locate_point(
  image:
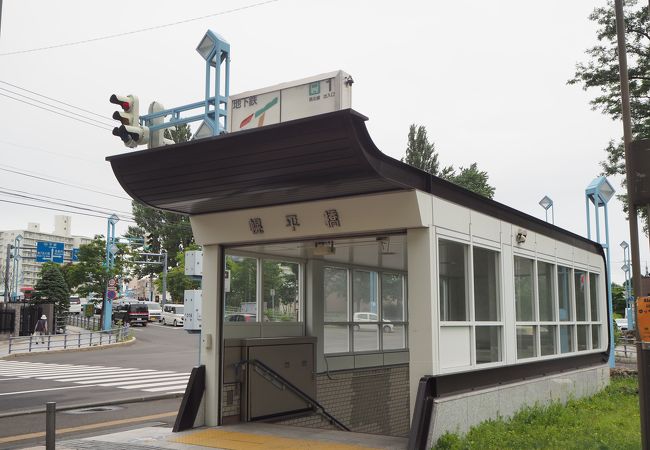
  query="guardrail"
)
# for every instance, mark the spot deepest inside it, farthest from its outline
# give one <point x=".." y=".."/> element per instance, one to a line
<point x="626" y="347"/>
<point x="89" y="323"/>
<point x="28" y="344"/>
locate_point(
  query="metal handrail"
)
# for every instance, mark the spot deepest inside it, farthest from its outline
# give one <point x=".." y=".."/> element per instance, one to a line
<point x="320" y="409"/>
<point x="81" y="321"/>
<point x="66" y="341"/>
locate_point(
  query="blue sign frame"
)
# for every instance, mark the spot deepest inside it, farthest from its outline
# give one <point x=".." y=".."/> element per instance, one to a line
<point x="49" y="252"/>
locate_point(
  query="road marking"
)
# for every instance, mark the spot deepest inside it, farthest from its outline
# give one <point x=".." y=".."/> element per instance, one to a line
<point x="105" y="376"/>
<point x="92" y="426"/>
<point x="44" y="390"/>
<point x="175" y="387"/>
<point x="126" y="383"/>
<point x="120" y="378"/>
<point x="182" y="382"/>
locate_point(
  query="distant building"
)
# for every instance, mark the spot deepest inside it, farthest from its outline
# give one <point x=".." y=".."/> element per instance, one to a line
<point x="28" y="268"/>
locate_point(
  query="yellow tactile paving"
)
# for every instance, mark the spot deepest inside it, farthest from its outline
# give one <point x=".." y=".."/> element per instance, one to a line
<point x="233" y="440"/>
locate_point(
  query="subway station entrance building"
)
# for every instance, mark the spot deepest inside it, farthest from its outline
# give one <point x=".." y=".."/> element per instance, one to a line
<point x="333" y="269"/>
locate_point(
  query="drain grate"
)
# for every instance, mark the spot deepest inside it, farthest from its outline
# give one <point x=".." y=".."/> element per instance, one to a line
<point x="94" y="409"/>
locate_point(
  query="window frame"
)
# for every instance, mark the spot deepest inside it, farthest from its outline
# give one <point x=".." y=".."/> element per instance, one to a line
<point x="350" y="323"/>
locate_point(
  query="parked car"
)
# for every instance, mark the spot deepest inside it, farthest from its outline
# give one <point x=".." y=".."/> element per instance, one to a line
<point x="155" y="311"/>
<point x="621" y="324"/>
<point x="75" y="305"/>
<point x="172" y="314"/>
<point x="131" y="313"/>
<point x="240" y="317"/>
<point x="370" y="317"/>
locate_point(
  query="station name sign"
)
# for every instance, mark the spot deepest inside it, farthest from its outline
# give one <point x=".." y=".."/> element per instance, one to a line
<point x="307" y="97"/>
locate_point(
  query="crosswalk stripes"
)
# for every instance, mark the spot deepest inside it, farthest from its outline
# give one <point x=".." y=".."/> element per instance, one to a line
<point x="147" y="380"/>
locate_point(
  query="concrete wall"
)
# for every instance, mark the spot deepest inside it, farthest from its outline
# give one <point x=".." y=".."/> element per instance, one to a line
<point x="458" y="413"/>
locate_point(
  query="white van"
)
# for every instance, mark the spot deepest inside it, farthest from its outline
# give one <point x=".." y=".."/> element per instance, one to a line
<point x="172" y="314"/>
<point x="155" y="311"/>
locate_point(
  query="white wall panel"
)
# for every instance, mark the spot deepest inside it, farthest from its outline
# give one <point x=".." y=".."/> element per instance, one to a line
<point x="485" y="227"/>
<point x="451" y="216"/>
<point x="455" y="344"/>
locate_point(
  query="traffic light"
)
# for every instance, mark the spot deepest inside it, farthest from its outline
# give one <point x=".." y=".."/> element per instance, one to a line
<point x="131" y="132"/>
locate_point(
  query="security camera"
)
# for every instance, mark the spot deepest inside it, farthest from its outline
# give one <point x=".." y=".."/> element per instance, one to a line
<point x="521" y="236"/>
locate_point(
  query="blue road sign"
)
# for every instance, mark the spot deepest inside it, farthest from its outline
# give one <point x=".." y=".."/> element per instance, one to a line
<point x="49" y="252"/>
<point x="75" y="254"/>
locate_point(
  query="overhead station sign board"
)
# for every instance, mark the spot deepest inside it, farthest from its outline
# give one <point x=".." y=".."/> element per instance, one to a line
<point x="307" y="97"/>
<point x="49" y="252"/>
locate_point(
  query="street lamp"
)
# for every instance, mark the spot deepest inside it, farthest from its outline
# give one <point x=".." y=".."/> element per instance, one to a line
<point x="547" y="203"/>
<point x="598" y="193"/>
<point x="629" y="305"/>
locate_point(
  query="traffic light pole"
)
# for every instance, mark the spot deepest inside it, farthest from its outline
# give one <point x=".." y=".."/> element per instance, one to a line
<point x="6" y="276"/>
<point x="643" y="358"/>
<point x="161" y="261"/>
<point x="107" y="306"/>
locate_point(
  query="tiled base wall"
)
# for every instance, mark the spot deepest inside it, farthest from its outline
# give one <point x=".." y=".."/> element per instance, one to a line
<point x="231" y="402"/>
<point x="458" y="413"/>
<point x="374" y="400"/>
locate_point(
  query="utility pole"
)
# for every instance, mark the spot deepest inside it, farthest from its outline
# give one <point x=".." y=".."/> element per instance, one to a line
<point x="643" y="359"/>
<point x="6" y="276"/>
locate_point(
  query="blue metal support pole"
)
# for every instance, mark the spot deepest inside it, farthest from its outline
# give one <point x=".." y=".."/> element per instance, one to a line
<point x="107" y="308"/>
<point x="588" y="218"/>
<point x="609" y="291"/>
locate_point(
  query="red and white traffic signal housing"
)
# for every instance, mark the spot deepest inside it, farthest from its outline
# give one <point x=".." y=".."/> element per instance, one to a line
<point x="131" y="132"/>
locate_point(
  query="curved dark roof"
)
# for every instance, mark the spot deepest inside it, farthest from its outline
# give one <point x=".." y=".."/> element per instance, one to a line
<point x="325" y="156"/>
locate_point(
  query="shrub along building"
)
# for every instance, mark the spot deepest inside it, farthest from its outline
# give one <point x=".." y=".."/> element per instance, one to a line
<point x="352" y="276"/>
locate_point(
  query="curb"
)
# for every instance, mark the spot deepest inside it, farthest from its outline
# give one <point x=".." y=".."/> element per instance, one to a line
<point x="92" y="405"/>
<point x="130" y="341"/>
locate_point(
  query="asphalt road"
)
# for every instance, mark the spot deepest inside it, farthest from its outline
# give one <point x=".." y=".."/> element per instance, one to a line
<point x="157" y="364"/>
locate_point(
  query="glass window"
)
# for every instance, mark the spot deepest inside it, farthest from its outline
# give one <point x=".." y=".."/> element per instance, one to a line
<point x="545" y="286"/>
<point x="566" y="338"/>
<point x="392" y="297"/>
<point x="593" y="295"/>
<point x="526" y="341"/>
<point x="242" y="295"/>
<point x="580" y="289"/>
<point x="366" y="336"/>
<point x="280" y="292"/>
<point x="524" y="289"/>
<point x="547" y="340"/>
<point x="595" y="336"/>
<point x="335" y="282"/>
<point x="583" y="333"/>
<point x="336" y="339"/>
<point x="394" y="336"/>
<point x="486" y="285"/>
<point x="564" y="292"/>
<point x="488" y="344"/>
<point x="453" y="281"/>
<point x="364" y="294"/>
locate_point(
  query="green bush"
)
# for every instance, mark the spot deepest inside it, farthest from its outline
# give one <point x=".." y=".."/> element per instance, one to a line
<point x="607" y="420"/>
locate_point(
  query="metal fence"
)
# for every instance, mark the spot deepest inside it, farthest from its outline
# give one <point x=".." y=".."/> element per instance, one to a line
<point x="28" y="344"/>
<point x="626" y="347"/>
<point x="89" y="323"/>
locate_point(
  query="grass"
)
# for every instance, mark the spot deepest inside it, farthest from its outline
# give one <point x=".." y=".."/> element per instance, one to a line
<point x="608" y="420"/>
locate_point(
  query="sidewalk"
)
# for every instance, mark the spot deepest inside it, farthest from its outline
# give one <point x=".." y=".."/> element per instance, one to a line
<point x="247" y="436"/>
<point x="55" y="343"/>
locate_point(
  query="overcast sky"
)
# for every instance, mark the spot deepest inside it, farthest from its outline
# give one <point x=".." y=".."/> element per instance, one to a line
<point x="487" y="79"/>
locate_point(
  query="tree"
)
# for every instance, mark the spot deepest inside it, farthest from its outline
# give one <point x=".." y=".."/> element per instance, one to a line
<point x="90" y="275"/>
<point x="422" y="154"/>
<point x="601" y="73"/>
<point x="51" y="287"/>
<point x="169" y="231"/>
<point x="178" y="282"/>
<point x="618" y="299"/>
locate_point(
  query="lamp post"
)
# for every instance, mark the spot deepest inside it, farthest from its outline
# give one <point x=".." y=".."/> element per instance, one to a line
<point x="626" y="268"/>
<point x="547" y="204"/>
<point x="598" y="193"/>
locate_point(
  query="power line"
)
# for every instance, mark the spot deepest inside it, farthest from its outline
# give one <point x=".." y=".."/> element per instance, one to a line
<point x="62" y="210"/>
<point x="53" y="99"/>
<point x="66" y="200"/>
<point x="51" y="180"/>
<point x="69" y="205"/>
<point x="53" y="111"/>
<point x="142" y="30"/>
<point x="65" y="155"/>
